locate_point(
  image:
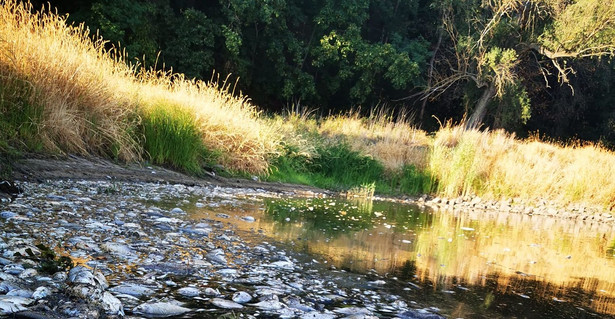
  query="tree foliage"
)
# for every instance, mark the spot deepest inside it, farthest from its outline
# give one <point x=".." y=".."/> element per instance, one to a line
<point x="519" y="64"/>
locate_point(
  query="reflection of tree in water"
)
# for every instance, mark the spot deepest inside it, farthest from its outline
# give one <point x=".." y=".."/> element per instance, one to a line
<point x="519" y="297"/>
<point x="610" y="251"/>
<point x="407" y="271"/>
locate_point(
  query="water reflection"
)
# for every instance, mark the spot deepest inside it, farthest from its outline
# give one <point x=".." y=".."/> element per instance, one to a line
<point x="517" y="265"/>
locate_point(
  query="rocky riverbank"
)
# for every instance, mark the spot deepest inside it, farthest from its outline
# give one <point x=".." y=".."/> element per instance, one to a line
<point x="137" y="253"/>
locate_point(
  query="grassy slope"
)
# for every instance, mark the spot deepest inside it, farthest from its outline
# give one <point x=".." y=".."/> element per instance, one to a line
<point x="60" y="91"/>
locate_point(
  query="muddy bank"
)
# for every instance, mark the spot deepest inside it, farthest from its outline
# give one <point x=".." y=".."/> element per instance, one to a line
<point x="41" y="168"/>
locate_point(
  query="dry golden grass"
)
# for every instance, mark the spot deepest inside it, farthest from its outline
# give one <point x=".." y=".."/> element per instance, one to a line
<point x="496" y="165"/>
<point x="393" y="143"/>
<point x="91" y="101"/>
<point x="70" y="77"/>
<point x="229" y="124"/>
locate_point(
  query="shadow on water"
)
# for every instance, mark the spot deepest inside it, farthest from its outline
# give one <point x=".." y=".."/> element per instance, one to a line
<point x="476" y="266"/>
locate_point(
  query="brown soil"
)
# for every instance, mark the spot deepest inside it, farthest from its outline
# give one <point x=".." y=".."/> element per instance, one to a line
<point x="41" y="168"/>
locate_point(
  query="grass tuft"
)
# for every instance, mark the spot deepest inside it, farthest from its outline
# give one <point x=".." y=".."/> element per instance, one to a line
<point x="172" y="137"/>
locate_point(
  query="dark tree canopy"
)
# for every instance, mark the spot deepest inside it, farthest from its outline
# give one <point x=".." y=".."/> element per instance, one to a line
<point x="522" y="65"/>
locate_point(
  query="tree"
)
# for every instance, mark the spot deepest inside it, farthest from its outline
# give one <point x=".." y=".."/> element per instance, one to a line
<point x="493" y="42"/>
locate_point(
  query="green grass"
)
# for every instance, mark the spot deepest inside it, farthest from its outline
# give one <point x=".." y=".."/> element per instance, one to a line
<point x="173" y="138"/>
<point x="19" y="120"/>
<point x="335" y="166"/>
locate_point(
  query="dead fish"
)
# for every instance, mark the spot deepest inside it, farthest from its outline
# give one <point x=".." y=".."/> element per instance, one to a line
<point x="241" y="297"/>
<point x="225" y="304"/>
<point x="132" y="290"/>
<point x="269" y="305"/>
<point x="7" y="308"/>
<point x="160" y="309"/>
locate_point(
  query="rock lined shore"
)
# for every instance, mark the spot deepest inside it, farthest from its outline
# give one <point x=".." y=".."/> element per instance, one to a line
<point x="73" y="167"/>
<point x="135" y="256"/>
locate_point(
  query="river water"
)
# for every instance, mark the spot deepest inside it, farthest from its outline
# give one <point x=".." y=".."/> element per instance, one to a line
<point x="486" y="265"/>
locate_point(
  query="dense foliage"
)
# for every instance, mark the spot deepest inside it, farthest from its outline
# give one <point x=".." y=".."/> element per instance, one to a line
<point x="538" y="65"/>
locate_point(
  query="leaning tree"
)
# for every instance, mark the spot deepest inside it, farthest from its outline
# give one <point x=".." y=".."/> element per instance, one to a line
<point x="493" y="43"/>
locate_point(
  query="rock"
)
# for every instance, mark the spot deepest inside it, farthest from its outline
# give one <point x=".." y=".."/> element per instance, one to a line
<point x="28" y="273"/>
<point x="418" y="314"/>
<point x="318" y="315"/>
<point x="160" y="309"/>
<point x="241" y="297"/>
<point x="211" y="292"/>
<point x="7" y="308"/>
<point x="16" y="300"/>
<point x="217" y="256"/>
<point x="282" y="264"/>
<point x="248" y="219"/>
<point x="177" y="210"/>
<point x="14" y="269"/>
<point x="189" y="292"/>
<point x="352" y="311"/>
<point x="119" y="250"/>
<point x="225" y="304"/>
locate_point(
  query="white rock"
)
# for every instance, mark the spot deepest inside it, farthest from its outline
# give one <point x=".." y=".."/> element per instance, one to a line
<point x="269" y="305"/>
<point x="211" y="292"/>
<point x="7" y="308"/>
<point x="26" y="293"/>
<point x="132" y="290"/>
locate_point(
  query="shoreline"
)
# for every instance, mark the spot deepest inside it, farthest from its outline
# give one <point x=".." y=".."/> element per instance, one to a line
<point x="42" y="167"/>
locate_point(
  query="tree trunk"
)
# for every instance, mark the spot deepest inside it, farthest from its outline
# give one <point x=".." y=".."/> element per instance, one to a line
<point x="476" y="119"/>
<point x="430" y="74"/>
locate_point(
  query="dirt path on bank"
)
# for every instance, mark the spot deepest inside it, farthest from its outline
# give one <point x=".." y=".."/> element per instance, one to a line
<point x="41" y="168"/>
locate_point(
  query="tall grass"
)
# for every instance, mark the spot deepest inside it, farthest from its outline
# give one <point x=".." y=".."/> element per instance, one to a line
<point x="61" y="91"/>
<point x="69" y="77"/>
<point x="228" y="123"/>
<point x="334" y="153"/>
<point x="494" y="164"/>
<point x="394" y="142"/>
<point x="88" y="101"/>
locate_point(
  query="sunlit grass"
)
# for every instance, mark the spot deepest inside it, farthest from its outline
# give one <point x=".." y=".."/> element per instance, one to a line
<point x="495" y="164"/>
<point x="61" y="91"/>
<point x="91" y="102"/>
<point x="393" y="141"/>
